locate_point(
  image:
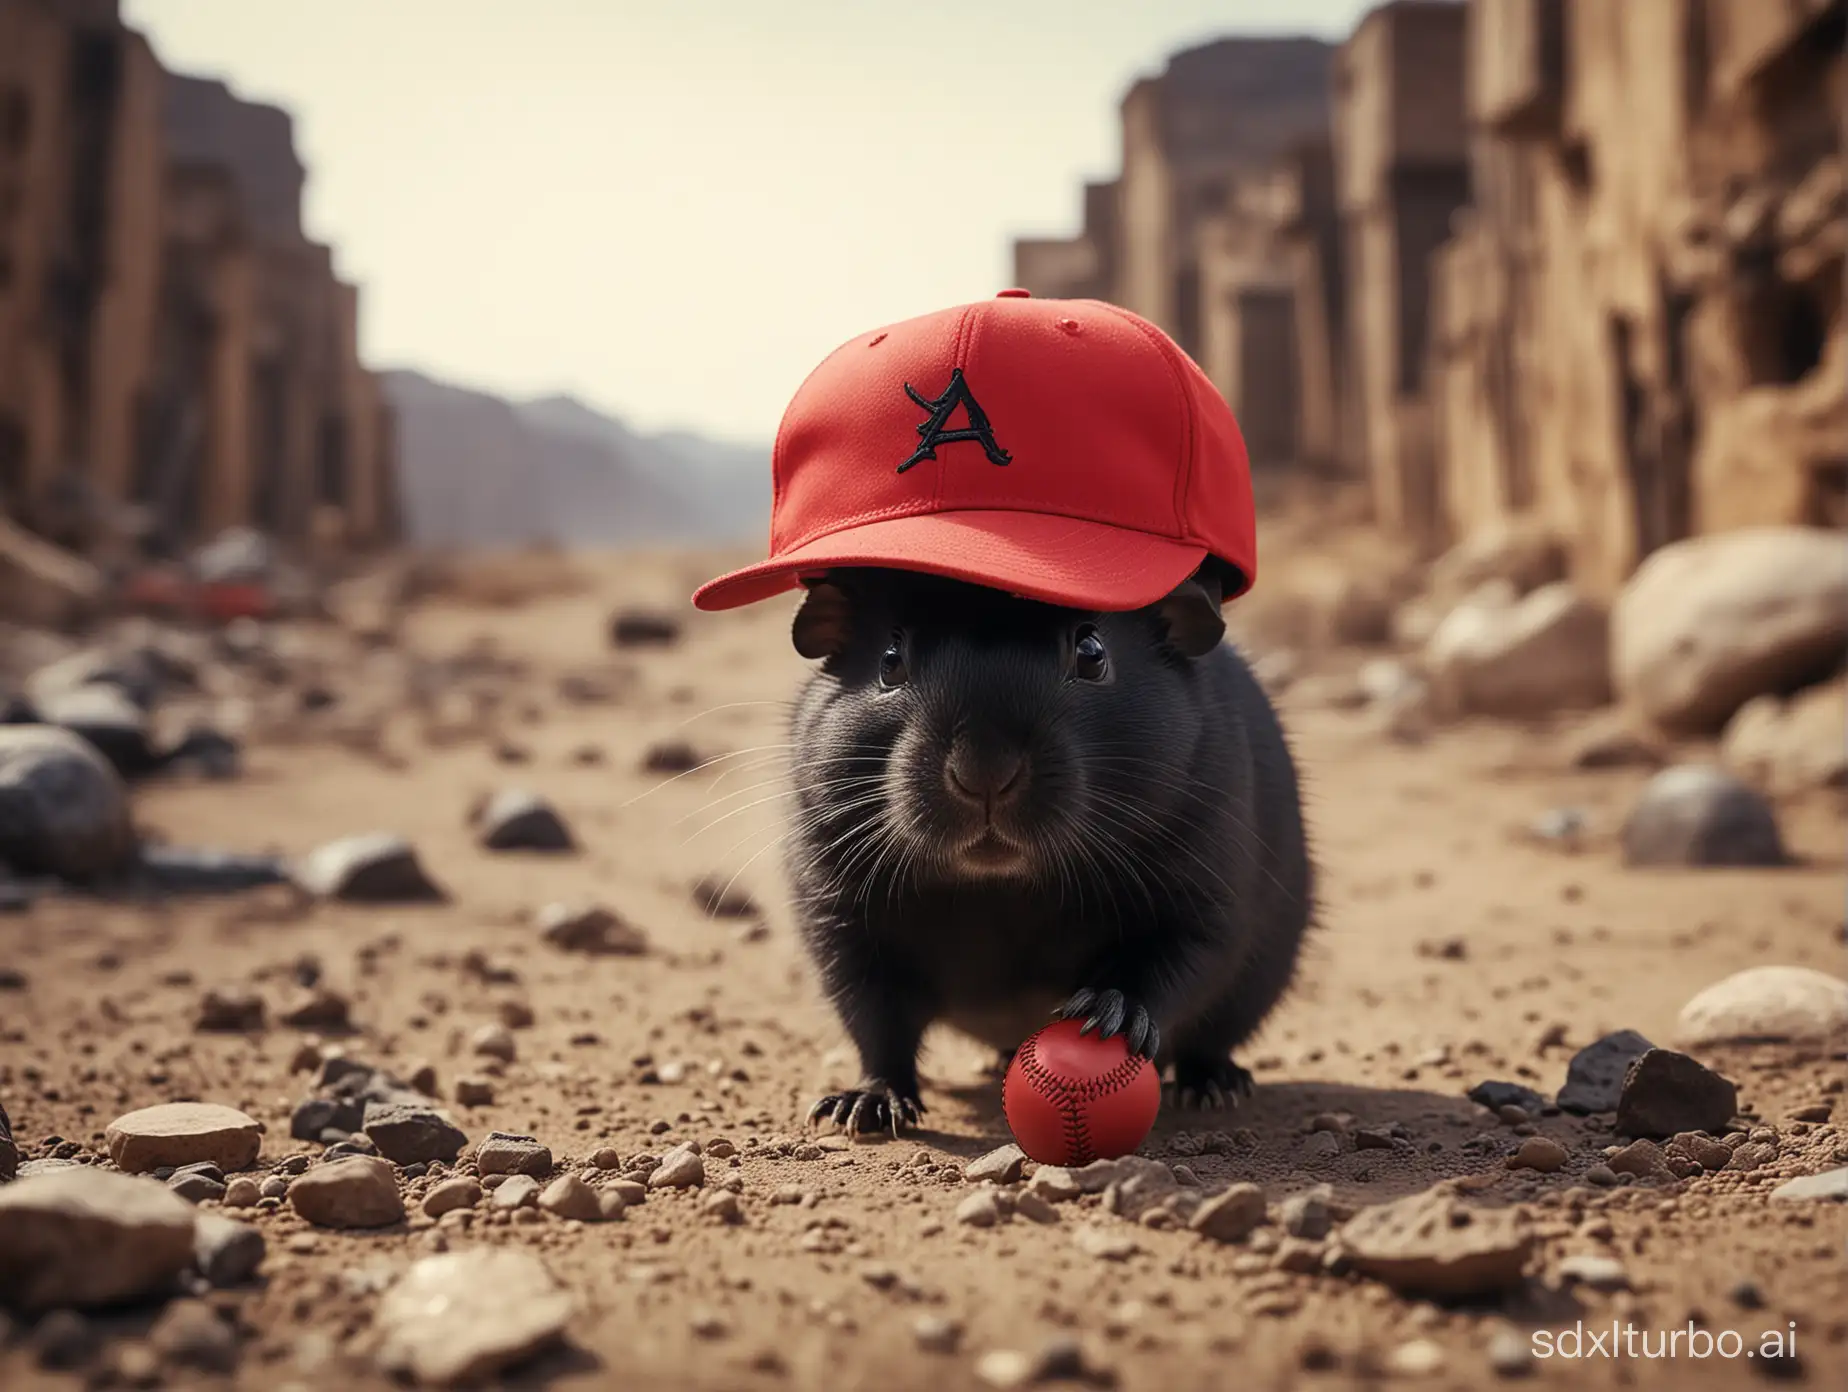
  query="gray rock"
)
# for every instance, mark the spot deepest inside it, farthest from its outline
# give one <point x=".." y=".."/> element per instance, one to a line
<point x="1771" y="1004"/>
<point x="63" y="810"/>
<point x="111" y="723"/>
<point x="1496" y="1095"/>
<point x="87" y="1237"/>
<point x="999" y="1166"/>
<point x="196" y="1188"/>
<point x="358" y="1191"/>
<point x="1705" y="624"/>
<point x="227" y="1252"/>
<point x="680" y="1168"/>
<point x="1701" y="815"/>
<point x="979" y="1210"/>
<point x="408" y="1134"/>
<point x="1594" y="1078"/>
<point x="516" y="820"/>
<point x="1665" y="1092"/>
<point x="315" y="1116"/>
<point x="375" y="868"/>
<point x="505" y="1153"/>
<point x="1308" y="1215"/>
<point x="465" y="1317"/>
<point x="1231" y="1215"/>
<point x="1830" y="1184"/>
<point x="187" y="870"/>
<point x="1432" y="1244"/>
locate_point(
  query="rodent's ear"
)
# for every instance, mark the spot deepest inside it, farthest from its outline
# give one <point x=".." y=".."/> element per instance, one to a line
<point x="823" y="623"/>
<point x="1191" y="613"/>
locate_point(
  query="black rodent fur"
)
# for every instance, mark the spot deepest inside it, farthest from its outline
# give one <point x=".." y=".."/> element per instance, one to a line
<point x="995" y="825"/>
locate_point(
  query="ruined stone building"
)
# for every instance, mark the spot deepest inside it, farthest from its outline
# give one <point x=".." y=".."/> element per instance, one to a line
<point x="1401" y="172"/>
<point x="1639" y="324"/>
<point x="171" y="345"/>
<point x="1186" y="236"/>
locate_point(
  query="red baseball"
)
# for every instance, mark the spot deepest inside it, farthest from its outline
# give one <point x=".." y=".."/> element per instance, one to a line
<point x="1073" y="1098"/>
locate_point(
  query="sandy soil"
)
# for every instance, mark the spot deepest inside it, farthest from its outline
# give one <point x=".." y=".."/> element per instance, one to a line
<point x="1419" y="846"/>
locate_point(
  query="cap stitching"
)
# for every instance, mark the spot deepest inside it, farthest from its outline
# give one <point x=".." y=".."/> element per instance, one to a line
<point x="959" y="346"/>
<point x="912" y="510"/>
<point x="1184" y="475"/>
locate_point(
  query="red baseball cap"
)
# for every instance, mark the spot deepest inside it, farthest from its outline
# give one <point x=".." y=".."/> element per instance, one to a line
<point x="1062" y="450"/>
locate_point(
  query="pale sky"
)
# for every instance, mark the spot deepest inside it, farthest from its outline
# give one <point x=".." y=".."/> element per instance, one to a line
<point x="674" y="208"/>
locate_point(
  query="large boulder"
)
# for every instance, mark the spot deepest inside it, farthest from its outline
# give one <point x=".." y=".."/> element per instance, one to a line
<point x="1546" y="652"/>
<point x="1700" y="815"/>
<point x="1524" y="553"/>
<point x="1790" y="745"/>
<point x="1706" y="624"/>
<point x="63" y="810"/>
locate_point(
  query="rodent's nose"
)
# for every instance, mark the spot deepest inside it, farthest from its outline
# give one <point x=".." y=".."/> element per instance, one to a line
<point x="987" y="780"/>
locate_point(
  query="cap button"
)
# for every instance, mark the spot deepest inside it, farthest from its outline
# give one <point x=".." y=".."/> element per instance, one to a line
<point x="1015" y="294"/>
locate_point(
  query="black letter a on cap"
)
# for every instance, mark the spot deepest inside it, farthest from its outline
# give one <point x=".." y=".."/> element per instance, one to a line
<point x="933" y="434"/>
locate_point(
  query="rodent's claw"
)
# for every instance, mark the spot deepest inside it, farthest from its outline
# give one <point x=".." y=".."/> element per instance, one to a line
<point x="873" y="1106"/>
<point x="1110" y="1013"/>
<point x="1210" y="1084"/>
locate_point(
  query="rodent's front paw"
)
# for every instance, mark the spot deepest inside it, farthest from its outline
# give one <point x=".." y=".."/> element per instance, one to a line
<point x="1209" y="1084"/>
<point x="1111" y="1013"/>
<point x="873" y="1106"/>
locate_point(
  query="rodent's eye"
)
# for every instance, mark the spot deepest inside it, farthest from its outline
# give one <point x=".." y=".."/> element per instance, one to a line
<point x="892" y="669"/>
<point x="1090" y="659"/>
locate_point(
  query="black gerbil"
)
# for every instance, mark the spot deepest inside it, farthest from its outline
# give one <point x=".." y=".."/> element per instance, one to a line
<point x="1008" y="811"/>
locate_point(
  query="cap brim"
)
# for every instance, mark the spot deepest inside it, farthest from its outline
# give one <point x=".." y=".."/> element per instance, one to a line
<point x="1057" y="560"/>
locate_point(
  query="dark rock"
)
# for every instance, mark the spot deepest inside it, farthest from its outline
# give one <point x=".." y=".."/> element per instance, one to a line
<point x="105" y="717"/>
<point x="322" y="1010"/>
<point x="184" y="870"/>
<point x="196" y="1188"/>
<point x="315" y="1116"/>
<point x="359" y="1143"/>
<point x="505" y="1153"/>
<point x="64" y="1340"/>
<point x="1496" y="1095"/>
<point x="377" y="868"/>
<point x="671" y="756"/>
<point x="722" y="899"/>
<point x="230" y="1012"/>
<point x="9" y="1151"/>
<point x="1665" y="1092"/>
<point x="227" y="1252"/>
<point x="409" y="1135"/>
<point x="589" y="928"/>
<point x="516" y="820"/>
<point x="63" y="810"/>
<point x="140" y="671"/>
<point x="206" y="752"/>
<point x="1594" y="1078"/>
<point x="643" y="628"/>
<point x="1701" y="815"/>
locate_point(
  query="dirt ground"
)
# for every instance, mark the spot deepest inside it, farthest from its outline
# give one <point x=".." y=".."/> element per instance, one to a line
<point x="1452" y="949"/>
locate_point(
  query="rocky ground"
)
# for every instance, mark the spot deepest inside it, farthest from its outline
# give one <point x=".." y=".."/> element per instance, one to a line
<point x="511" y="1088"/>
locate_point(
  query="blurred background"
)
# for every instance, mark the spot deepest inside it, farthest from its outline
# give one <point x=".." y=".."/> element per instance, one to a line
<point x="378" y="379"/>
<point x="467" y="275"/>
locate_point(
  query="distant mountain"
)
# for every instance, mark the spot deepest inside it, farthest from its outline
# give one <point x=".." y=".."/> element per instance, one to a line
<point x="478" y="470"/>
